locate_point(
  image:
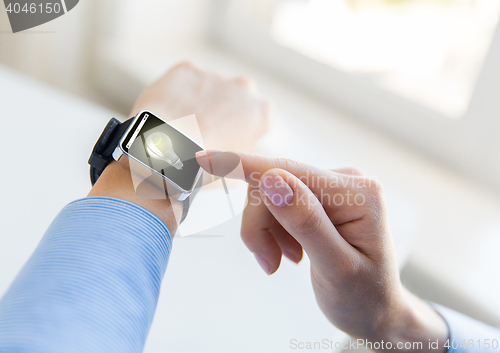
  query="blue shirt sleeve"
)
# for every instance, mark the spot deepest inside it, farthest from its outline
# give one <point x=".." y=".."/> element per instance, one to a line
<point x="468" y="335"/>
<point x="91" y="285"/>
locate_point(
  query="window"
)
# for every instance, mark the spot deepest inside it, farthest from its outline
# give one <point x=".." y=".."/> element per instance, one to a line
<point x="424" y="71"/>
<point x="427" y="51"/>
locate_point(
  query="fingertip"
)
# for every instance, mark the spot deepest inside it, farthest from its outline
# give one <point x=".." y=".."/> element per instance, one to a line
<point x="220" y="163"/>
<point x="263" y="263"/>
<point x="187" y="65"/>
<point x="294" y="257"/>
<point x="276" y="189"/>
<point x="265" y="249"/>
<point x="203" y="160"/>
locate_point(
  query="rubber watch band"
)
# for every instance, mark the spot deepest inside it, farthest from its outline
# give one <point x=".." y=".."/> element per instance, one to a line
<point x="102" y="153"/>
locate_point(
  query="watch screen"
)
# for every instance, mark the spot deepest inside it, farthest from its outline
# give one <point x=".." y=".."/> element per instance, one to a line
<point x="163" y="148"/>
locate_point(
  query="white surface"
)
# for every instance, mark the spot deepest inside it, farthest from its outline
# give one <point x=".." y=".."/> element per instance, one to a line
<point x="470" y="143"/>
<point x="46" y="137"/>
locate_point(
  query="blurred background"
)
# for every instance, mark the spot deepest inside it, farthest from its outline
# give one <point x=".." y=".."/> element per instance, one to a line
<point x="405" y="90"/>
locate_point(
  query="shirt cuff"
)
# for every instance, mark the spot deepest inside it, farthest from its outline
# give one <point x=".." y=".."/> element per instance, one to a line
<point x="92" y="284"/>
<point x="468" y="335"/>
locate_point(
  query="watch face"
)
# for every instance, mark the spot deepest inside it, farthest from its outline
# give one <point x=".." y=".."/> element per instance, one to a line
<point x="164" y="149"/>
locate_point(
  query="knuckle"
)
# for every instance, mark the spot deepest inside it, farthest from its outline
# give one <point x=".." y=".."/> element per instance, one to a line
<point x="348" y="171"/>
<point x="217" y="76"/>
<point x="245" y="82"/>
<point x="372" y="187"/>
<point x="266" y="108"/>
<point x="265" y="126"/>
<point x="188" y="65"/>
<point x="352" y="270"/>
<point x="253" y="198"/>
<point x="248" y="238"/>
<point x="264" y="118"/>
<point x="311" y="223"/>
<point x="354" y="171"/>
<point x="287" y="164"/>
<point x="375" y="198"/>
<point x="246" y="234"/>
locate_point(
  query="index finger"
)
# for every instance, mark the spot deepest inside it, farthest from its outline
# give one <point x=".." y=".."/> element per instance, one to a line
<point x="224" y="164"/>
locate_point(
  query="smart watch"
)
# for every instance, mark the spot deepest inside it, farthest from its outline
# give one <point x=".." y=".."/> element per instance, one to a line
<point x="158" y="153"/>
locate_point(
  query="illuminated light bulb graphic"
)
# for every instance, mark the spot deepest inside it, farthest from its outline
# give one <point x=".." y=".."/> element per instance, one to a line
<point x="159" y="146"/>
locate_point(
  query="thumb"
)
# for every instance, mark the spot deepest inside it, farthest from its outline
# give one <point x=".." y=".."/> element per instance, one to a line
<point x="301" y="214"/>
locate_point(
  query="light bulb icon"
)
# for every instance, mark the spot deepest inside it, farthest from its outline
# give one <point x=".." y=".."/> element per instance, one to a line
<point x="159" y="146"/>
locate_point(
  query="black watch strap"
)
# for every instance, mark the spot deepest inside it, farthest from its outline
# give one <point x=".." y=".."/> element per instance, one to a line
<point x="102" y="154"/>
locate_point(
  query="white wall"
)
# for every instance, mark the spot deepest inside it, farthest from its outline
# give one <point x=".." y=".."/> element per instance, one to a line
<point x="55" y="52"/>
<point x="62" y="51"/>
<point x="168" y="23"/>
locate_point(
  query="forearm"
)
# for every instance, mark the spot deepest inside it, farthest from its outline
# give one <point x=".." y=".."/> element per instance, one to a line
<point x="92" y="284"/>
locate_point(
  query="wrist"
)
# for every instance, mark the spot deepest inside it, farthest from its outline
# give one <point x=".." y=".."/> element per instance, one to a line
<point x="412" y="326"/>
<point x="116" y="181"/>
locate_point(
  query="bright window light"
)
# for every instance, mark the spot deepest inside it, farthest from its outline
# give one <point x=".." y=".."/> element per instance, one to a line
<point x="429" y="51"/>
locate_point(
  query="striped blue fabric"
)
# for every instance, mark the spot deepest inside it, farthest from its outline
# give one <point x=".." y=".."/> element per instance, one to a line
<point x="92" y="284"/>
<point x="468" y="335"/>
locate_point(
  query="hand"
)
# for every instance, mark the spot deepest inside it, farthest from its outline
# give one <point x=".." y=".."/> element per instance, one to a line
<point x="230" y="113"/>
<point x="339" y="218"/>
<point x="223" y="109"/>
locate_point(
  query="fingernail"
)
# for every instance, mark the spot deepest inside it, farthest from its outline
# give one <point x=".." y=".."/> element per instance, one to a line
<point x="263" y="264"/>
<point x="208" y="153"/>
<point x="207" y="156"/>
<point x="292" y="257"/>
<point x="220" y="163"/>
<point x="276" y="189"/>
